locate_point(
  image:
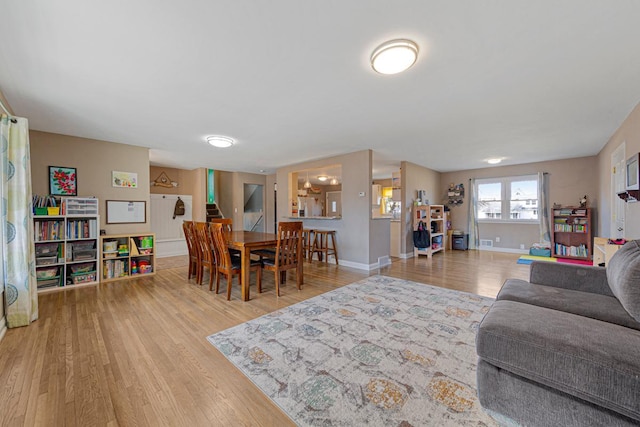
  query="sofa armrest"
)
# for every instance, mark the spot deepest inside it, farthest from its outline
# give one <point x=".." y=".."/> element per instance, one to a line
<point x="570" y="276"/>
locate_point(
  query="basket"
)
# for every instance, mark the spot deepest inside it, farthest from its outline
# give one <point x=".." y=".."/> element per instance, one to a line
<point x="87" y="277"/>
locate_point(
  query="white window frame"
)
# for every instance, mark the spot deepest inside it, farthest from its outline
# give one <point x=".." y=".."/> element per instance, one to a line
<point x="505" y="198"/>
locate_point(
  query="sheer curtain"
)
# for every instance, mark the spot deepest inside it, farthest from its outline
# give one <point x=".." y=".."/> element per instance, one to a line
<point x="472" y="226"/>
<point x="543" y="207"/>
<point x="18" y="252"/>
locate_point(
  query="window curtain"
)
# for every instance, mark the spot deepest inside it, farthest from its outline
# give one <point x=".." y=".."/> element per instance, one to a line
<point x="543" y="211"/>
<point x="18" y="251"/>
<point x="472" y="226"/>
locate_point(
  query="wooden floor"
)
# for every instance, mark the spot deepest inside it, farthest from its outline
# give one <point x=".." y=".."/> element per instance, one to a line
<point x="135" y="352"/>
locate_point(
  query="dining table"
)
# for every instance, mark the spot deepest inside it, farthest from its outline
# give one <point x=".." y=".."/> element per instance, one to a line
<point x="245" y="242"/>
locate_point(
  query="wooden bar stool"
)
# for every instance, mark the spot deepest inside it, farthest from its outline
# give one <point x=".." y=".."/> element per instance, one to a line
<point x="321" y="244"/>
<point x="307" y="243"/>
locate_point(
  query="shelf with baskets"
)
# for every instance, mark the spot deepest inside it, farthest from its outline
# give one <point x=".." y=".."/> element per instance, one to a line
<point x="126" y="256"/>
<point x="435" y="219"/>
<point x="66" y="247"/>
<point x="572" y="233"/>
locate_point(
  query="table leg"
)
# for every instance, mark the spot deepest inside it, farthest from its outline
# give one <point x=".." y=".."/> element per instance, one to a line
<point x="245" y="273"/>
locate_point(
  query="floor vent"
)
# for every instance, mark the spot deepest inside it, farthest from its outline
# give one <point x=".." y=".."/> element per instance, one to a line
<point x="486" y="243"/>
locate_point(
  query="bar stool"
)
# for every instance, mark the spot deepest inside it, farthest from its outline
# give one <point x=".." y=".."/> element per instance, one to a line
<point x="321" y="244"/>
<point x="307" y="243"/>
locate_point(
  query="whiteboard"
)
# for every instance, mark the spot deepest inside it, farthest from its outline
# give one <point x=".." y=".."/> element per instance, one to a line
<point x="126" y="211"/>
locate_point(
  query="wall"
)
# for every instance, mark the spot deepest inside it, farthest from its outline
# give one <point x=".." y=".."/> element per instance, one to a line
<point x="231" y="194"/>
<point x="629" y="133"/>
<point x="569" y="179"/>
<point x="192" y="182"/>
<point x="415" y="178"/>
<point x="94" y="160"/>
<point x="352" y="231"/>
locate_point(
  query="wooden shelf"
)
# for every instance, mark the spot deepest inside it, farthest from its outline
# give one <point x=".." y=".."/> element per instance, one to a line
<point x="115" y="268"/>
<point x="572" y="233"/>
<point x="433" y="216"/>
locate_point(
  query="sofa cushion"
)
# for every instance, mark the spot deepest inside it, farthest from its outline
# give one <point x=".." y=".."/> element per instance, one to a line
<point x="592" y="360"/>
<point x="595" y="306"/>
<point x="623" y="275"/>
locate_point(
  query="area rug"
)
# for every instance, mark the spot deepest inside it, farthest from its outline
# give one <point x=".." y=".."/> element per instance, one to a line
<point x="379" y="352"/>
<point x="528" y="259"/>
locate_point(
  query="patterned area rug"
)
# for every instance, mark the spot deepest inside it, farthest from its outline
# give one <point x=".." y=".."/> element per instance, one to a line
<point x="379" y="352"/>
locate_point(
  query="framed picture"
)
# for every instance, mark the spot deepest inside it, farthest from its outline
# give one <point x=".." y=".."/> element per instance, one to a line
<point x="124" y="179"/>
<point x="63" y="181"/>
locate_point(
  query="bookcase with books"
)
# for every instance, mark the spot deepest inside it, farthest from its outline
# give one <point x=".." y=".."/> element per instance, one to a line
<point x="66" y="245"/>
<point x="572" y="233"/>
<point x="126" y="256"/>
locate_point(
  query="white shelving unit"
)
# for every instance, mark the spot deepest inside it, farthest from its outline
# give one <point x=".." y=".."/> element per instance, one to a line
<point x="434" y="217"/>
<point x="67" y="249"/>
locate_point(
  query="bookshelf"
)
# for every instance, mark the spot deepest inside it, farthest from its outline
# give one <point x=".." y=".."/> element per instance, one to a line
<point x="434" y="217"/>
<point x="572" y="233"/>
<point x="127" y="256"/>
<point x="66" y="246"/>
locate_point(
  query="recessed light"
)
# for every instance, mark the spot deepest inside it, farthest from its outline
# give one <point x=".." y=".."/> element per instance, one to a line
<point x="220" y="141"/>
<point x="323" y="177"/>
<point x="394" y="56"/>
<point x="494" y="161"/>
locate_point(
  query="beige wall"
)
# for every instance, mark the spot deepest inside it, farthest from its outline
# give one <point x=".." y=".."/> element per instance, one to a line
<point x="231" y="195"/>
<point x="416" y="178"/>
<point x="94" y="160"/>
<point x="190" y="182"/>
<point x="353" y="229"/>
<point x="629" y="133"/>
<point x="569" y="180"/>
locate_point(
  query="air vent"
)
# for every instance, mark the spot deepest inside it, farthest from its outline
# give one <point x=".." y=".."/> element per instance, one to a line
<point x="486" y="243"/>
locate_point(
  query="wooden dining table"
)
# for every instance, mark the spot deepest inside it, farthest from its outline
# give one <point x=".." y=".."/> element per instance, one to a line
<point x="245" y="242"/>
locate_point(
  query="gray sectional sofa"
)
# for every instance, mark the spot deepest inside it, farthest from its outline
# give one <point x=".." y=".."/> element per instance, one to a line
<point x="563" y="349"/>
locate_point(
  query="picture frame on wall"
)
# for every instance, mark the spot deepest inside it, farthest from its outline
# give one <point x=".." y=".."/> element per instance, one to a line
<point x="63" y="181"/>
<point x="124" y="179"/>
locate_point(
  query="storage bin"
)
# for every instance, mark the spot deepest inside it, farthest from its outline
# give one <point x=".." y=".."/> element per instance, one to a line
<point x="144" y="269"/>
<point x="84" y="254"/>
<point x="41" y="211"/>
<point x="85" y="277"/>
<point x="46" y="249"/>
<point x="46" y="273"/>
<point x="48" y="283"/>
<point x="46" y="260"/>
<point x="540" y="252"/>
<point x="110" y="245"/>
<point x="85" y="267"/>
<point x="53" y="210"/>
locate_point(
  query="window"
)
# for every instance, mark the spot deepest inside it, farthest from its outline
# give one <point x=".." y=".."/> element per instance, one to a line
<point x="508" y="199"/>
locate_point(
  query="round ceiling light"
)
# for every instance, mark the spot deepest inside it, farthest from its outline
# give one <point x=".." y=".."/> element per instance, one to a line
<point x="322" y="178"/>
<point x="494" y="161"/>
<point x="220" y="141"/>
<point x="394" y="56"/>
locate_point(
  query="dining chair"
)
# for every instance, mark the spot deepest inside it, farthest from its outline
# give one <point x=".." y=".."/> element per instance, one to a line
<point x="207" y="256"/>
<point x="194" y="255"/>
<point x="288" y="253"/>
<point x="227" y="225"/>
<point x="228" y="265"/>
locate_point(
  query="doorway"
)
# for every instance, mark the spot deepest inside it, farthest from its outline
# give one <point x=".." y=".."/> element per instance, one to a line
<point x="618" y="169"/>
<point x="334" y="203"/>
<point x="253" y="219"/>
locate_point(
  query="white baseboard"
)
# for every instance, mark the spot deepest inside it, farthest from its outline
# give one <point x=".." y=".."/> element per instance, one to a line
<point x="507" y="250"/>
<point x="358" y="265"/>
<point x="407" y="255"/>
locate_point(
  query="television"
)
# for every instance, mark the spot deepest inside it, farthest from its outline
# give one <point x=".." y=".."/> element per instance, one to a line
<point x="632" y="179"/>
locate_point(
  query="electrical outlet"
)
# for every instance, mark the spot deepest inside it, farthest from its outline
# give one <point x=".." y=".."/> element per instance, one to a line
<point x="521" y="245"/>
<point x="497" y="239"/>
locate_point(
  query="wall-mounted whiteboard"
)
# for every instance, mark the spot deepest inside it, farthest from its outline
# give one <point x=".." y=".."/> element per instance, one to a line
<point x="126" y="211"/>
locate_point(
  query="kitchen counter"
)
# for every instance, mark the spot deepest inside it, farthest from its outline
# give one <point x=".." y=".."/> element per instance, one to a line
<point x="315" y="217"/>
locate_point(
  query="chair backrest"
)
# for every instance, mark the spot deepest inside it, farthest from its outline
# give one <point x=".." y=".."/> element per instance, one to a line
<point x="189" y="235"/>
<point x="204" y="241"/>
<point x="226" y="222"/>
<point x="223" y="257"/>
<point x="289" y="249"/>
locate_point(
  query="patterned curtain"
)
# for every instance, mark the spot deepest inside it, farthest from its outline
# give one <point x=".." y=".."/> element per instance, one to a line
<point x="18" y="251"/>
<point x="474" y="236"/>
<point x="543" y="210"/>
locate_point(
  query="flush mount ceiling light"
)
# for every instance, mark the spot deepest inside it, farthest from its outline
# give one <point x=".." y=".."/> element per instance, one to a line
<point x="394" y="56"/>
<point x="494" y="161"/>
<point x="220" y="141"/>
<point x="323" y="178"/>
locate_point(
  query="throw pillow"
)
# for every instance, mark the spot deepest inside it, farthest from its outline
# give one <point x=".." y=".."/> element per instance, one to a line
<point x="623" y="275"/>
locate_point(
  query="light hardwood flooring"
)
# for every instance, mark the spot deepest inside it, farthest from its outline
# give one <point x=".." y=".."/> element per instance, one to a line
<point x="135" y="352"/>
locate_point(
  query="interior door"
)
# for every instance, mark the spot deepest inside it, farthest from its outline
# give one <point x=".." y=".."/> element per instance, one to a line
<point x="334" y="203"/>
<point x="618" y="166"/>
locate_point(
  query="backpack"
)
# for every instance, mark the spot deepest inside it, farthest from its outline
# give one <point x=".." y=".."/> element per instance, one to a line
<point x="421" y="237"/>
<point x="179" y="209"/>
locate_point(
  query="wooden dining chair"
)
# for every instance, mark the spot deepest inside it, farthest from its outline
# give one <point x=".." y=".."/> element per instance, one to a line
<point x="192" y="247"/>
<point x="206" y="252"/>
<point x="227" y="225"/>
<point x="228" y="265"/>
<point x="288" y="253"/>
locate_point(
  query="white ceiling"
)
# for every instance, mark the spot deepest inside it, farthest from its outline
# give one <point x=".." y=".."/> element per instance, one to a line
<point x="519" y="79"/>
